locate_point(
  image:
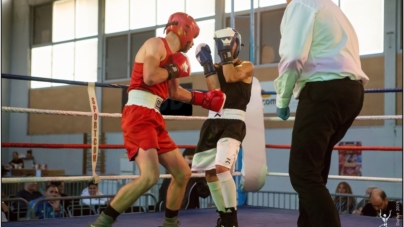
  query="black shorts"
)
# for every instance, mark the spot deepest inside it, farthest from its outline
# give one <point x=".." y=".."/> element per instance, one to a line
<point x="215" y="129"/>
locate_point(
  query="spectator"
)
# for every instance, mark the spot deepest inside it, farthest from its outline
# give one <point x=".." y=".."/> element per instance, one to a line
<point x="9" y="215"/>
<point x="92" y="190"/>
<point x="380" y="205"/>
<point x="47" y="209"/>
<point x="196" y="187"/>
<point x="29" y="192"/>
<point x="29" y="156"/>
<point x="61" y="187"/>
<point x="364" y="201"/>
<point x="344" y="204"/>
<point x="3" y="217"/>
<point x="17" y="161"/>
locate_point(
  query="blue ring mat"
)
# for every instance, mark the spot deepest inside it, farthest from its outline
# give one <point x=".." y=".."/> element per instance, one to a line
<point x="248" y="216"/>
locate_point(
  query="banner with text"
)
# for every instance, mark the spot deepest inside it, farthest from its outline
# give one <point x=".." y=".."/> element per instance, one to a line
<point x="350" y="161"/>
<point x="269" y="101"/>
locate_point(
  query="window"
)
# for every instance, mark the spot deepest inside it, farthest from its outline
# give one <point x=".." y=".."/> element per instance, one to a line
<point x="117" y="63"/>
<point x="270" y="36"/>
<point x="207" y="30"/>
<point x="63" y="62"/>
<point x="264" y="3"/>
<point x="86" y="18"/>
<point x="117" y="16"/>
<point x="116" y="59"/>
<point x="242" y="25"/>
<point x="136" y="41"/>
<point x="368" y="24"/>
<point x="240" y="5"/>
<point x="63" y="20"/>
<point x="198" y="9"/>
<point x="85" y="64"/>
<point x="142" y="15"/>
<point x="60" y="24"/>
<point x="41" y="65"/>
<point x="166" y="8"/>
<point x="42" y="24"/>
<point x="122" y="15"/>
<point x="400" y="29"/>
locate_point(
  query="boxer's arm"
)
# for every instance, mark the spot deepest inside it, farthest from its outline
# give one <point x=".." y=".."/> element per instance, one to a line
<point x="154" y="53"/>
<point x="175" y="92"/>
<point x="211" y="100"/>
<point x="203" y="55"/>
<point x="241" y="72"/>
<point x="213" y="82"/>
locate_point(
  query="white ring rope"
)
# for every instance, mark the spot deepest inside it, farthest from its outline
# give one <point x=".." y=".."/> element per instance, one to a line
<point x="118" y="115"/>
<point x="381" y="179"/>
<point x="88" y="178"/>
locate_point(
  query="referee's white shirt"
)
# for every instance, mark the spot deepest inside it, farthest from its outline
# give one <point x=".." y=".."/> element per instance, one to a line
<point x="318" y="44"/>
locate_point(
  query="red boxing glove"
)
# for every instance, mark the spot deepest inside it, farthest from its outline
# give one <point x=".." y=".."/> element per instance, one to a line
<point x="178" y="66"/>
<point x="211" y="100"/>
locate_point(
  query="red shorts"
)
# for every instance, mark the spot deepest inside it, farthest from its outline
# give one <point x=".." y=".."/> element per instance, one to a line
<point x="144" y="128"/>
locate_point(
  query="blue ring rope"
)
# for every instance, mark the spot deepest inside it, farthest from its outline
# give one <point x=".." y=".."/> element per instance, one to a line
<point x="97" y="84"/>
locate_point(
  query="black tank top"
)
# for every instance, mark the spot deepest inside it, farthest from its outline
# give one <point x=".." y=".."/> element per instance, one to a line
<point x="237" y="94"/>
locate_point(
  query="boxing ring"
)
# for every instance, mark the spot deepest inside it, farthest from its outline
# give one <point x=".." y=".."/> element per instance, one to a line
<point x="249" y="216"/>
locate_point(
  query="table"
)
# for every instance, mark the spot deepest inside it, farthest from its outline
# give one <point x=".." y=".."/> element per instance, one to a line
<point x="41" y="172"/>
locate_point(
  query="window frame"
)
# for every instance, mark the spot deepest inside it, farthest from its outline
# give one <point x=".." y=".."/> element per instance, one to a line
<point x="399" y="27"/>
<point x="52" y="43"/>
<point x="258" y="41"/>
<point x="129" y="34"/>
<point x="257" y="23"/>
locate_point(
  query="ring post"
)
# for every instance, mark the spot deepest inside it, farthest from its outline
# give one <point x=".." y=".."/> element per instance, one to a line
<point x="241" y="196"/>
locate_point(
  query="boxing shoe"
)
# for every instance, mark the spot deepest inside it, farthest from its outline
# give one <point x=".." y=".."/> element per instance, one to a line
<point x="221" y="220"/>
<point x="171" y="222"/>
<point x="228" y="218"/>
<point x="102" y="221"/>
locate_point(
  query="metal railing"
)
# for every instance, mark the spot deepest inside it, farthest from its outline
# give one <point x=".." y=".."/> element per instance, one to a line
<point x="17" y="208"/>
<point x="75" y="188"/>
<point x="73" y="206"/>
<point x="290" y="200"/>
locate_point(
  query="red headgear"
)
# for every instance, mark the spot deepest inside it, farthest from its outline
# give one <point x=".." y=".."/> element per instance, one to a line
<point x="185" y="27"/>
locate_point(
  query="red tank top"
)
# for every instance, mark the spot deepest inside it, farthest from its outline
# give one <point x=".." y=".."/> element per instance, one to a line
<point x="136" y="81"/>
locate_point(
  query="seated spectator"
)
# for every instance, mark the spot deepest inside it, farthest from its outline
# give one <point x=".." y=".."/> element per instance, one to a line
<point x="28" y="193"/>
<point x="9" y="215"/>
<point x="3" y="217"/>
<point x="344" y="204"/>
<point x="364" y="201"/>
<point x="380" y="205"/>
<point x="92" y="190"/>
<point x="47" y="209"/>
<point x="16" y="162"/>
<point x="196" y="187"/>
<point x="61" y="187"/>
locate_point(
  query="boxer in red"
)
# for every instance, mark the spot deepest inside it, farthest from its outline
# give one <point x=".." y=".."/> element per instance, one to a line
<point x="159" y="64"/>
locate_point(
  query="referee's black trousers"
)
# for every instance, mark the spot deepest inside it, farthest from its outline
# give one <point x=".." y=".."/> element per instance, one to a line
<point x="325" y="112"/>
